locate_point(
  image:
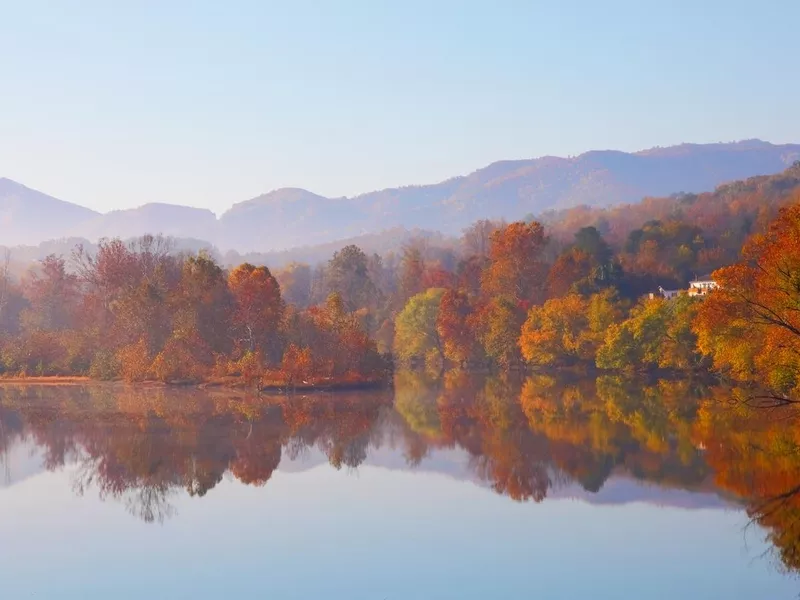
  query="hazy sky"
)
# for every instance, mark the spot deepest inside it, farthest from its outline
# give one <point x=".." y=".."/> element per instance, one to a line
<point x="114" y="104"/>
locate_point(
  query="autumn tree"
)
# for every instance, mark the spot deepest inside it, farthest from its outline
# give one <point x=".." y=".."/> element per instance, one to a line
<point x="516" y="267"/>
<point x="416" y="332"/>
<point x="295" y="282"/>
<point x="513" y="280"/>
<point x="567" y="330"/>
<point x="134" y="360"/>
<point x="412" y="271"/>
<point x="469" y="273"/>
<point x="297" y="365"/>
<point x="258" y="309"/>
<point x="348" y="275"/>
<point x="105" y="273"/>
<point x="203" y="304"/>
<point x="337" y="342"/>
<point x="498" y="324"/>
<point x="455" y="325"/>
<point x="319" y="284"/>
<point x="586" y="266"/>
<point x="436" y="276"/>
<point x="127" y="290"/>
<point x="476" y="238"/>
<point x="382" y="273"/>
<point x="143" y="306"/>
<point x="657" y="334"/>
<point x="669" y="248"/>
<point x="591" y="242"/>
<point x="52" y="293"/>
<point x="750" y="325"/>
<point x="570" y="268"/>
<point x="12" y="300"/>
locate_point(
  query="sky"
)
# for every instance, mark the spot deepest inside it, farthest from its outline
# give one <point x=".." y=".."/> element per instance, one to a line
<point x="116" y="104"/>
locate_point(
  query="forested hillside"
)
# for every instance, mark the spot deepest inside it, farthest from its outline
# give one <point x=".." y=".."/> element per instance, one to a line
<point x="730" y="207"/>
<point x="506" y="295"/>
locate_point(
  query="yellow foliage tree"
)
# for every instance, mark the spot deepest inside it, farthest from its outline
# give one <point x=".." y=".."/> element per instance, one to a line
<point x="134" y="361"/>
<point x="567" y="330"/>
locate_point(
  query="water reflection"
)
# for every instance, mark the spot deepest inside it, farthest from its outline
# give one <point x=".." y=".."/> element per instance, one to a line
<point x="524" y="439"/>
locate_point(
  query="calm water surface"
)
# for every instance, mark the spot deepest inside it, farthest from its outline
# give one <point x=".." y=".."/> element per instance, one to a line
<point x="462" y="488"/>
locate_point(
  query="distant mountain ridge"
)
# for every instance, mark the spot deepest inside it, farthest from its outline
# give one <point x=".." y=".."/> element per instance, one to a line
<point x="28" y="216"/>
<point x="511" y="189"/>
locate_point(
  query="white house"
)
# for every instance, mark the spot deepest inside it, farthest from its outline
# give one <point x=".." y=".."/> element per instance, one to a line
<point x="701" y="286"/>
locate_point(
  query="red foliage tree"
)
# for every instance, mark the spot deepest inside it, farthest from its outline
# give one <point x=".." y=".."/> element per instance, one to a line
<point x="258" y="309"/>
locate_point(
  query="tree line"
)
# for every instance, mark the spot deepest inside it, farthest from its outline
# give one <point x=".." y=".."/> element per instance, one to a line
<point x="531" y="301"/>
<point x="137" y="311"/>
<point x="506" y="295"/>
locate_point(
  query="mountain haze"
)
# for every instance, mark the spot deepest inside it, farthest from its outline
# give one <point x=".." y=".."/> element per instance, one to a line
<point x="168" y="219"/>
<point x="30" y="217"/>
<point x="292" y="217"/>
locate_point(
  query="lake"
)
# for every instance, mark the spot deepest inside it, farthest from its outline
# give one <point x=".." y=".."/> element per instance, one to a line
<point x="458" y="488"/>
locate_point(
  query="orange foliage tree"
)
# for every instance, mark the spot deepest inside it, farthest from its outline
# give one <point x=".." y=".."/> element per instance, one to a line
<point x="297" y="365"/>
<point x="750" y="326"/>
<point x="516" y="266"/>
<point x="134" y="361"/>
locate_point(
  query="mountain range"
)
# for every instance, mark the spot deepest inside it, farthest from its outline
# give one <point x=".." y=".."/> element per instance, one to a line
<point x="292" y="217"/>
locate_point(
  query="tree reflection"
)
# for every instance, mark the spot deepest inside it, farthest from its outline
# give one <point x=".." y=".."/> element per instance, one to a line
<point x="142" y="447"/>
<point x="523" y="439"/>
<point x="756" y="455"/>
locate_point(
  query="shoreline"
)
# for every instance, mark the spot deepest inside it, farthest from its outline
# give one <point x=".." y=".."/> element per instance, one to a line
<point x="49" y="380"/>
<point x="233" y="384"/>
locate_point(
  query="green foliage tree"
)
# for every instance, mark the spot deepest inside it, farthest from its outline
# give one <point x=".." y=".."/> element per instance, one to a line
<point x="589" y="240"/>
<point x="657" y="334"/>
<point x="416" y="333"/>
<point x="348" y="275"/>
